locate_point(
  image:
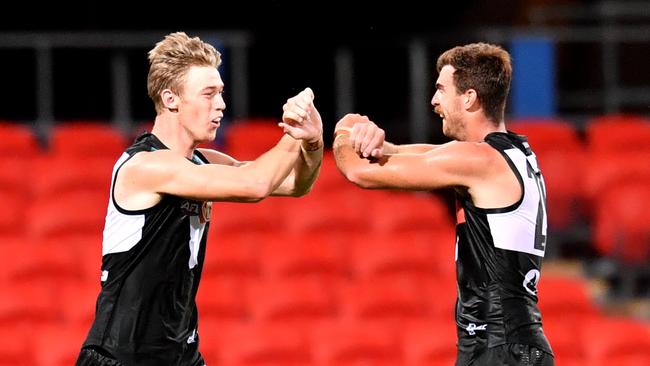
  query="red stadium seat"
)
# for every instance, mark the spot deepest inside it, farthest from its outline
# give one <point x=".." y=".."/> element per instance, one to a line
<point x="430" y="343"/>
<point x="409" y="211"/>
<point x="621" y="229"/>
<point x="297" y="301"/>
<point x="222" y="298"/>
<point x="547" y="133"/>
<point x="80" y="214"/>
<point x="565" y="340"/>
<point x="18" y="141"/>
<point x="58" y="345"/>
<point x="263" y="344"/>
<point x="231" y="218"/>
<point x="318" y="255"/>
<point x="408" y="253"/>
<point x="566" y="298"/>
<point x="12" y="218"/>
<point x="616" y="341"/>
<point x="248" y="139"/>
<point x="16" y="343"/>
<point x="87" y="138"/>
<point x="606" y="170"/>
<point x="330" y="178"/>
<point x="236" y="256"/>
<point x="348" y="343"/>
<point x="331" y="213"/>
<point x="393" y="299"/>
<point x="70" y="174"/>
<point x="618" y="132"/>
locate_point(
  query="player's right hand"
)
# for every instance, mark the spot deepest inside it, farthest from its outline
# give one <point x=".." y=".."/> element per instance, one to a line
<point x="368" y="139"/>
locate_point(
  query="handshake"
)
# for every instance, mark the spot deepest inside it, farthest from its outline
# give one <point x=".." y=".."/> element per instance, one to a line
<point x="363" y="135"/>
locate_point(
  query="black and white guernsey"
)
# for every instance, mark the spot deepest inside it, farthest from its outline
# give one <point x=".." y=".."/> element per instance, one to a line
<point x="499" y="253"/>
<point x="152" y="260"/>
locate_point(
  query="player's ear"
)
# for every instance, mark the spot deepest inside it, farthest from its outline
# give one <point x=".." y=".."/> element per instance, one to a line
<point x="170" y="100"/>
<point x="469" y="98"/>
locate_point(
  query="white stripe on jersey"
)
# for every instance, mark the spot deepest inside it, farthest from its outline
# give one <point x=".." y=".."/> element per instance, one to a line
<point x="515" y="230"/>
<point x="196" y="233"/>
<point x="121" y="232"/>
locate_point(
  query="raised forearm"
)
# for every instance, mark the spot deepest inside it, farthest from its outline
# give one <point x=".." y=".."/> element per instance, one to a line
<point x="272" y="167"/>
<point x="308" y="167"/>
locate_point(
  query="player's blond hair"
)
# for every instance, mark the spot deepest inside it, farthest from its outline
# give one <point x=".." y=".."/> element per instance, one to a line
<point x="170" y="60"/>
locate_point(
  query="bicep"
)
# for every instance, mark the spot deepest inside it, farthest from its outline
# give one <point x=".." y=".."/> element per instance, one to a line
<point x="442" y="167"/>
<point x="174" y="175"/>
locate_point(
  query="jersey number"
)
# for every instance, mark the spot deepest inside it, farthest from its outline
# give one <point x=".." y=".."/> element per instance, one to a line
<point x="540" y="226"/>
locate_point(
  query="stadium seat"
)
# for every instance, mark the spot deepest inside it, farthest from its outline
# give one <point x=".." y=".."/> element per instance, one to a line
<point x="66" y="216"/>
<point x="223" y="298"/>
<point x="331" y="213"/>
<point x="246" y="140"/>
<point x="58" y="345"/>
<point x="621" y="229"/>
<point x="409" y="211"/>
<point x="18" y="141"/>
<point x="348" y="343"/>
<point x="263" y="344"/>
<point x="12" y="218"/>
<point x="403" y="254"/>
<point x="77" y="301"/>
<point x="297" y="301"/>
<point x="28" y="304"/>
<point x="32" y="262"/>
<point x="70" y="175"/>
<point x="233" y="255"/>
<point x="618" y="132"/>
<point x="231" y="218"/>
<point x="430" y="343"/>
<point x="605" y="170"/>
<point x="87" y="138"/>
<point x="566" y="298"/>
<point x="615" y="341"/>
<point x="14" y="174"/>
<point x="330" y="178"/>
<point x="16" y="347"/>
<point x="317" y="255"/>
<point x="565" y="339"/>
<point x="391" y="300"/>
<point x="547" y="133"/>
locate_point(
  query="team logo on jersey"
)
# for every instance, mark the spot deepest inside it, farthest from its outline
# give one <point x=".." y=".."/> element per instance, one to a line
<point x="530" y="281"/>
<point x="472" y="328"/>
<point x="196" y="208"/>
<point x="206" y="209"/>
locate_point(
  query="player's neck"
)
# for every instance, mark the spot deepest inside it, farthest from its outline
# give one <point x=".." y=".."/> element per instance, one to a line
<point x="174" y="136"/>
<point x="482" y="128"/>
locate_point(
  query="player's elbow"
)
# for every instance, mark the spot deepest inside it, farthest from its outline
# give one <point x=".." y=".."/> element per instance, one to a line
<point x="360" y="177"/>
<point x="256" y="191"/>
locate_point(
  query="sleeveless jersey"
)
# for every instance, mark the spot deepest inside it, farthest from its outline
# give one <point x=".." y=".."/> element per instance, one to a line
<point x="499" y="253"/>
<point x="152" y="259"/>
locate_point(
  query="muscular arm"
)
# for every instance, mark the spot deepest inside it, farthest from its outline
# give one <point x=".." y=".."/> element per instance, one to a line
<point x="454" y="164"/>
<point x="148" y="175"/>
<point x="390" y="148"/>
<point x="304" y="174"/>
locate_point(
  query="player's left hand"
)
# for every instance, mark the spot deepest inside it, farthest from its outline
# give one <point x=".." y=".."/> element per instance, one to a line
<point x="368" y="139"/>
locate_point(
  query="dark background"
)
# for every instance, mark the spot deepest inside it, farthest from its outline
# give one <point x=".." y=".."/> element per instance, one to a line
<point x="293" y="47"/>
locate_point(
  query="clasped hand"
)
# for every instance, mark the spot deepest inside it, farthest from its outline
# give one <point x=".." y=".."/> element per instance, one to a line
<point x="301" y="119"/>
<point x="365" y="137"/>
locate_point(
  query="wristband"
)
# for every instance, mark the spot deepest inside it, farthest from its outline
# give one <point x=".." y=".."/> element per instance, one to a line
<point x="342" y="131"/>
<point x="312" y="146"/>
